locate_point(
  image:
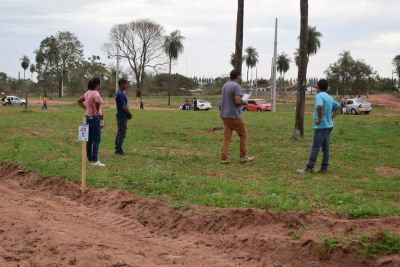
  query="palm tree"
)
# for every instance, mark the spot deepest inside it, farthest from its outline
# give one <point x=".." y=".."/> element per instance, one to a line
<point x="313" y="43"/>
<point x="251" y="59"/>
<point x="239" y="36"/>
<point x="232" y="60"/>
<point x="396" y="64"/>
<point x="302" y="71"/>
<point x="32" y="70"/>
<point x="173" y="48"/>
<point x="283" y="65"/>
<point x="25" y="63"/>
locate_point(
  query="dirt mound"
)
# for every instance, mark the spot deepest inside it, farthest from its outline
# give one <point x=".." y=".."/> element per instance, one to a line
<point x="389" y="101"/>
<point x="51" y="223"/>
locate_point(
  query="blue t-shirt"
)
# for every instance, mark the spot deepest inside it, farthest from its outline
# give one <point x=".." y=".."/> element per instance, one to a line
<point x="121" y="100"/>
<point x="330" y="105"/>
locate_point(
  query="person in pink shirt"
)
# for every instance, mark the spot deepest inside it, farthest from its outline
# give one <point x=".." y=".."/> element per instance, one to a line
<point x="92" y="103"/>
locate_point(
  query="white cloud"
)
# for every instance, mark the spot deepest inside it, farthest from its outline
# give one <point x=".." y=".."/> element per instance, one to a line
<point x="362" y="26"/>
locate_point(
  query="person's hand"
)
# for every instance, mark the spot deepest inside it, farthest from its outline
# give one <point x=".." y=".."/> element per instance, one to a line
<point x="318" y="122"/>
<point x="129" y="116"/>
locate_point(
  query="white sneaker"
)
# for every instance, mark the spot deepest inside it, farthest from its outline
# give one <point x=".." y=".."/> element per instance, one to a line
<point x="98" y="164"/>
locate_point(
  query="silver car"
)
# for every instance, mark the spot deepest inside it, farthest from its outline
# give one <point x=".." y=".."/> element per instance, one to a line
<point x="12" y="100"/>
<point x="357" y="106"/>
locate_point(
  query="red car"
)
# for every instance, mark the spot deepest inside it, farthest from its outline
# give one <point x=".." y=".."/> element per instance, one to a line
<point x="257" y="105"/>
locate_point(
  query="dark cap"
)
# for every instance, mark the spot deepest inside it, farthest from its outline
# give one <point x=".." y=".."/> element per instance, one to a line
<point x="122" y="81"/>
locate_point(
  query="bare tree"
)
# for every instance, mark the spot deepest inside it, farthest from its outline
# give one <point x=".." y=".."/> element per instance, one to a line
<point x="141" y="44"/>
<point x="302" y="73"/>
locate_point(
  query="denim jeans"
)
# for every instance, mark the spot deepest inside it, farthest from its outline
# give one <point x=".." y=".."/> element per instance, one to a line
<point x="119" y="140"/>
<point x="92" y="146"/>
<point x="321" y="140"/>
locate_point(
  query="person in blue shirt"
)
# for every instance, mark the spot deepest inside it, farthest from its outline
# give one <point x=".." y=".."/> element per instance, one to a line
<point x="123" y="115"/>
<point x="325" y="110"/>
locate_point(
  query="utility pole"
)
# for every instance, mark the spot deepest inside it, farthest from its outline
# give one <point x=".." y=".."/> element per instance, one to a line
<point x="274" y="67"/>
<point x="270" y="80"/>
<point x="256" y="81"/>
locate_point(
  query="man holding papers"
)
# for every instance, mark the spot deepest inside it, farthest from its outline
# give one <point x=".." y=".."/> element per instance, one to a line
<point x="231" y="109"/>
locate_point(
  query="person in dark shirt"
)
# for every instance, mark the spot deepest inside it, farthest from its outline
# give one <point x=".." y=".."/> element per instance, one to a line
<point x="195" y="108"/>
<point x="123" y="115"/>
<point x="141" y="104"/>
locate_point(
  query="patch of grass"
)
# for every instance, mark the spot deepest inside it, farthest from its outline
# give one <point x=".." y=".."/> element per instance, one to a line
<point x="172" y="157"/>
<point x="385" y="243"/>
<point x="366" y="245"/>
<point x="329" y="243"/>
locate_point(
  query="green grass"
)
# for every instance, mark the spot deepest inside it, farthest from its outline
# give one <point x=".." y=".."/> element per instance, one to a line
<point x="172" y="157"/>
<point x="385" y="243"/>
<point x="367" y="245"/>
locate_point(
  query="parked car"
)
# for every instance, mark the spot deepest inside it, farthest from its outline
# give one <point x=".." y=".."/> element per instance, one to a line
<point x="12" y="100"/>
<point x="203" y="104"/>
<point x="257" y="105"/>
<point x="357" y="106"/>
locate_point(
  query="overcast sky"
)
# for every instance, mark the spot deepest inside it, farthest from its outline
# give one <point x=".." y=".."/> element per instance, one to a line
<point x="369" y="28"/>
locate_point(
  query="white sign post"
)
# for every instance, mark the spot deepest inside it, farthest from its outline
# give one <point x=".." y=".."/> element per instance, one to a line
<point x="83" y="136"/>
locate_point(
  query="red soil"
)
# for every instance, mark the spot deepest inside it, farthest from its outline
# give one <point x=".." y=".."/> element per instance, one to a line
<point x="51" y="223"/>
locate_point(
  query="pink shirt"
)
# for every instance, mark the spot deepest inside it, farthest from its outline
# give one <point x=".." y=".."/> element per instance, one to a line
<point x="91" y="98"/>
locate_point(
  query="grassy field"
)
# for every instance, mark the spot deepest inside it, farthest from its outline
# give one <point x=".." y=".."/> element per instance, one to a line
<point x="171" y="156"/>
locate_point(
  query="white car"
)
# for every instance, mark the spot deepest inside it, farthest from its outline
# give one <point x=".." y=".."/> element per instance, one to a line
<point x="357" y="106"/>
<point x="203" y="104"/>
<point x="12" y="100"/>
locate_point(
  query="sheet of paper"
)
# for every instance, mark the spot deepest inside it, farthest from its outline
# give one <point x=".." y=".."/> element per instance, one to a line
<point x="246" y="96"/>
<point x="83" y="132"/>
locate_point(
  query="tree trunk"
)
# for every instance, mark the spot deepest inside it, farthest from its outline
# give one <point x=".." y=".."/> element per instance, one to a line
<point x="59" y="87"/>
<point x="239" y="36"/>
<point x="247" y="74"/>
<point x="302" y="72"/>
<point x="169" y="82"/>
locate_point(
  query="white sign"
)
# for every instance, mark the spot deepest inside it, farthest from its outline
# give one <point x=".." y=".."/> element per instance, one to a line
<point x="83" y="132"/>
<point x="246" y="97"/>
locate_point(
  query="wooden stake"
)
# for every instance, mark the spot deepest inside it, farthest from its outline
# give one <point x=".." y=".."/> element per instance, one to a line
<point x="84" y="155"/>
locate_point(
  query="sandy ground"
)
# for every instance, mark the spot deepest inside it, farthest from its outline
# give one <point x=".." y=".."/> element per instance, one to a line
<point x="51" y="223"/>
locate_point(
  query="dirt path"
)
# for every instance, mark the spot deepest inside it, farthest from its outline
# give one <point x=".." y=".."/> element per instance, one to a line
<point x="50" y="223"/>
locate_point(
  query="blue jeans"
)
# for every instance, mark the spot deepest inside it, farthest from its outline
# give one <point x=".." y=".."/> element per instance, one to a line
<point x="92" y="146"/>
<point x="119" y="139"/>
<point x="321" y="140"/>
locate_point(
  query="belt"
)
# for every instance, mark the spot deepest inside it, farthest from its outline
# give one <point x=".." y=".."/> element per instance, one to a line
<point x="92" y="117"/>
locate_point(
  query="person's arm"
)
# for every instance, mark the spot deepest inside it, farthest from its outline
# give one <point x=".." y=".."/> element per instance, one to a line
<point x="80" y="102"/>
<point x="239" y="96"/>
<point x="239" y="101"/>
<point x="320" y="110"/>
<point x="336" y="109"/>
<point x="335" y="113"/>
<point x="125" y="108"/>
<point x="98" y="105"/>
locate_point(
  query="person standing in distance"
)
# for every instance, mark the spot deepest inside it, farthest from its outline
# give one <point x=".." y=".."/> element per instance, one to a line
<point x="231" y="109"/>
<point x="325" y="110"/>
<point x="123" y="115"/>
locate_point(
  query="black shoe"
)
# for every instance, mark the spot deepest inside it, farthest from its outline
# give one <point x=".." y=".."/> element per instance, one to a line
<point x="304" y="170"/>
